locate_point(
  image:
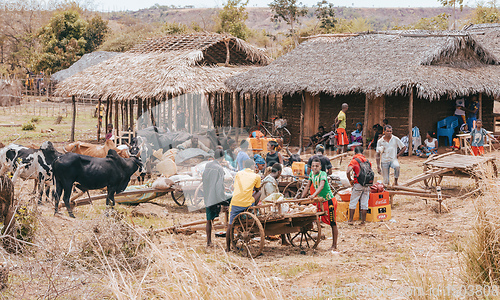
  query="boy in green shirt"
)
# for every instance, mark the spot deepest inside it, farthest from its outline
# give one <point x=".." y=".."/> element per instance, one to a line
<point x="319" y="181"/>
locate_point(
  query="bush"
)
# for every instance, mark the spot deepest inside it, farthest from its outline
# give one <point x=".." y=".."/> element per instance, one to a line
<point x="58" y="120"/>
<point x="35" y="120"/>
<point x="28" y="126"/>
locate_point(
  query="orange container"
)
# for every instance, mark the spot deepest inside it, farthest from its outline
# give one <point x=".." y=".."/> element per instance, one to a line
<point x="299" y="168"/>
<point x="345" y="197"/>
<point x="378" y="199"/>
<point x="343" y="212"/>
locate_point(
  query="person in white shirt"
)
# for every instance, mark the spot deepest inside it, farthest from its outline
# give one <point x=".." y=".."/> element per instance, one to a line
<point x="460" y="111"/>
<point x="387" y="154"/>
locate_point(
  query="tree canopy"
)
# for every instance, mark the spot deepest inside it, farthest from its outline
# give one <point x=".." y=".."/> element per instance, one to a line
<point x="232" y="17"/>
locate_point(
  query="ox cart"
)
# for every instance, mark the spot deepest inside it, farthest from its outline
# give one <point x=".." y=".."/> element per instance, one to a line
<point x="456" y="165"/>
<point x="298" y="219"/>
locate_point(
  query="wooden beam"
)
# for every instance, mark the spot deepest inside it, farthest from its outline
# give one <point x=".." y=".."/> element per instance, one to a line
<point x="302" y="109"/>
<point x="73" y="121"/>
<point x="117" y="120"/>
<point x="99" y="121"/>
<point x="365" y="122"/>
<point x="410" y="123"/>
<point x="480" y="110"/>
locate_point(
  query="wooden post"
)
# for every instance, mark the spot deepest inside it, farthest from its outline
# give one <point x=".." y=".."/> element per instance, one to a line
<point x="480" y="111"/>
<point x="410" y="123"/>
<point x="117" y="132"/>
<point x="131" y="114"/>
<point x="73" y="101"/>
<point x="365" y="122"/>
<point x="139" y="108"/>
<point x="99" y="121"/>
<point x="106" y="121"/>
<point x="302" y="109"/>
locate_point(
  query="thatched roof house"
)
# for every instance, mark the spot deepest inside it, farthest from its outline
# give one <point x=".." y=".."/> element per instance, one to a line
<point x="163" y="68"/>
<point x="178" y="64"/>
<point x="379" y="74"/>
<point x="86" y="61"/>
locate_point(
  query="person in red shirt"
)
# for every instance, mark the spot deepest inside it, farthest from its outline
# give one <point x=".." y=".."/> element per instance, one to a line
<point x="359" y="193"/>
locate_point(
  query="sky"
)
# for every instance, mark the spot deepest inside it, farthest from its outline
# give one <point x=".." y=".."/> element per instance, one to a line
<point x="113" y="5"/>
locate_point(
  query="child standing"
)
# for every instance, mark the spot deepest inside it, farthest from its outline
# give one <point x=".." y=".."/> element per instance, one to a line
<point x="478" y="135"/>
<point x="319" y="180"/>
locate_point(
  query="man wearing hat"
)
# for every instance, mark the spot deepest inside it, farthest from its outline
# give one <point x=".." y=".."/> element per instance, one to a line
<point x="326" y="165"/>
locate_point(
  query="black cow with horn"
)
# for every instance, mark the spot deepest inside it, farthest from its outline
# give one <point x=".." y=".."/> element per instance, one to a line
<point x="92" y="173"/>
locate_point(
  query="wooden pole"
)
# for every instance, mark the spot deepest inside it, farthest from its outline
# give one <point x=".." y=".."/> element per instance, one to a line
<point x="365" y="122"/>
<point x="302" y="109"/>
<point x="73" y="121"/>
<point x="99" y="121"/>
<point x="480" y="111"/>
<point x="117" y="119"/>
<point x="139" y="108"/>
<point x="410" y="123"/>
<point x="131" y="114"/>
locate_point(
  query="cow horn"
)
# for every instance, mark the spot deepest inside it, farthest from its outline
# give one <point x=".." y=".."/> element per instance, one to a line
<point x="128" y="145"/>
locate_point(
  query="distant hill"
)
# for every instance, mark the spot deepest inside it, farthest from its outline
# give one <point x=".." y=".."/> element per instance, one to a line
<point x="259" y="18"/>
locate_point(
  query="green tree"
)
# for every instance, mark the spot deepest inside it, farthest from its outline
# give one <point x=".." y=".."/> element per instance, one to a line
<point x="439" y="22"/>
<point x="453" y="3"/>
<point x="485" y="14"/>
<point x="174" y="28"/>
<point x="289" y="11"/>
<point x="63" y="42"/>
<point x="97" y="30"/>
<point x="232" y="17"/>
<point x="326" y="15"/>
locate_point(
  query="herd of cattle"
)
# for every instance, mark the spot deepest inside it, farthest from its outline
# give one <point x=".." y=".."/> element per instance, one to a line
<point x="87" y="166"/>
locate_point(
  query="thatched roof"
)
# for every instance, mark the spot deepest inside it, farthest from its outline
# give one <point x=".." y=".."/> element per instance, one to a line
<point x="385" y="63"/>
<point x="87" y="60"/>
<point x="488" y="35"/>
<point x="193" y="63"/>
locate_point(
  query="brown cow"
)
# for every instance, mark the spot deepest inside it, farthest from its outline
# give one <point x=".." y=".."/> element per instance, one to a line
<point x="95" y="150"/>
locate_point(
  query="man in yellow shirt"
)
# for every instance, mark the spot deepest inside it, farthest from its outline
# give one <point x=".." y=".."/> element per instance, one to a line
<point x="246" y="191"/>
<point x="340" y="123"/>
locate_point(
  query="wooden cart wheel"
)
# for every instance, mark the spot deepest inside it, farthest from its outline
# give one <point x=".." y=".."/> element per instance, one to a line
<point x="247" y="235"/>
<point x="433" y="181"/>
<point x="309" y="235"/>
<point x="290" y="191"/>
<point x="178" y="197"/>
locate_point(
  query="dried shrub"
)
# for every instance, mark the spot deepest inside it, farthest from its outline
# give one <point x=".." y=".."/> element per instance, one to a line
<point x="58" y="120"/>
<point x="28" y="126"/>
<point x="112" y="238"/>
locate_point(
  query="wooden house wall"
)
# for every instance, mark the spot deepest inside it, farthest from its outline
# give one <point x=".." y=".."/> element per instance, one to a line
<point x="330" y="107"/>
<point x="291" y="112"/>
<point x="488" y="117"/>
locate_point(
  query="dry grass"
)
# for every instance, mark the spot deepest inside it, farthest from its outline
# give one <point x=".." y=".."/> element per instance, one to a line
<point x="482" y="251"/>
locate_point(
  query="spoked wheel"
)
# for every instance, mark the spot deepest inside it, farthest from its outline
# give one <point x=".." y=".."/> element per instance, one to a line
<point x="178" y="197"/>
<point x="290" y="191"/>
<point x="285" y="135"/>
<point x="309" y="235"/>
<point x="247" y="235"/>
<point x="433" y="181"/>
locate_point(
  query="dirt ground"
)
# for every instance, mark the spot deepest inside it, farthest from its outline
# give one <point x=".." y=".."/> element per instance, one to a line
<point x="414" y="255"/>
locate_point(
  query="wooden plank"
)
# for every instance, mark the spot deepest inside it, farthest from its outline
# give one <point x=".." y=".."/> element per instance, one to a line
<point x="365" y="122"/>
<point x="410" y="123"/>
<point x="428" y="175"/>
<point x="405" y="188"/>
<point x="73" y="120"/>
<point x="431" y="158"/>
<point x="406" y="193"/>
<point x="480" y="111"/>
<point x="302" y="109"/>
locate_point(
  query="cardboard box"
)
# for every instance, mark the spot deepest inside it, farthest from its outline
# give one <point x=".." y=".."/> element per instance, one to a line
<point x="378" y="199"/>
<point x="379" y="213"/>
